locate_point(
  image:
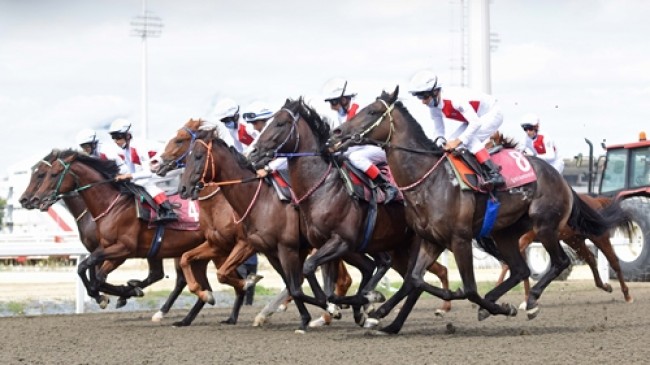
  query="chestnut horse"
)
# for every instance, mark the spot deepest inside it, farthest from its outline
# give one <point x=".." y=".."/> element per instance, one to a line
<point x="88" y="237"/>
<point x="298" y="133"/>
<point x="173" y="157"/>
<point x="573" y="239"/>
<point x="273" y="227"/>
<point x="122" y="235"/>
<point x="443" y="214"/>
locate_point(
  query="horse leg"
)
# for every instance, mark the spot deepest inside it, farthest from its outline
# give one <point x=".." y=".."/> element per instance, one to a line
<point x="189" y="318"/>
<point x="178" y="288"/>
<point x="605" y="246"/>
<point x="227" y="274"/>
<point x="271" y="307"/>
<point x="86" y="270"/>
<point x="440" y="271"/>
<point x="193" y="261"/>
<point x="462" y="249"/>
<point x="579" y="246"/>
<point x="397" y="324"/>
<point x="288" y="264"/>
<point x="198" y="267"/>
<point x="156" y="273"/>
<point x="559" y="262"/>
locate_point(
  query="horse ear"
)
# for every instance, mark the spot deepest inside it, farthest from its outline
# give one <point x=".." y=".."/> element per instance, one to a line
<point x="286" y="102"/>
<point x="394" y="95"/>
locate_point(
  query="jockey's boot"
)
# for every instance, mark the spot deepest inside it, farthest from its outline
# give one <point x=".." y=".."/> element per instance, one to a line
<point x="491" y="176"/>
<point x="388" y="188"/>
<point x="165" y="213"/>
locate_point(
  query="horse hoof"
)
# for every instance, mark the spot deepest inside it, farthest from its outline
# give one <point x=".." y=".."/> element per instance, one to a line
<point x="523" y="306"/>
<point x="157" y="317"/>
<point x="377" y="333"/>
<point x="229" y="321"/>
<point x="180" y="324"/>
<point x="607" y="288"/>
<point x="334" y="311"/>
<point x="375" y="297"/>
<point x="137" y="292"/>
<point x="439" y="313"/>
<point x="532" y="313"/>
<point x="510" y="309"/>
<point x="321" y="321"/>
<point x="134" y="283"/>
<point x="281" y="308"/>
<point x="207" y="297"/>
<point x="103" y="302"/>
<point x="259" y="320"/>
<point x="299" y="332"/>
<point x="121" y="302"/>
<point x="483" y="314"/>
<point x="371" y="323"/>
<point x="251" y="280"/>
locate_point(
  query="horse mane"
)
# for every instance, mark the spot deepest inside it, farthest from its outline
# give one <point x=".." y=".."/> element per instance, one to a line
<point x="313" y="119"/>
<point x="419" y="135"/>
<point x="108" y="168"/>
<point x="242" y="161"/>
<point x="505" y="141"/>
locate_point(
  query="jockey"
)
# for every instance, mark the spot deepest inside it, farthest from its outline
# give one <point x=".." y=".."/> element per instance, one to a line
<point x="135" y="167"/>
<point x="256" y="115"/>
<point x="227" y="112"/>
<point x="540" y="145"/>
<point x="87" y="140"/>
<point x="364" y="157"/>
<point x="479" y="115"/>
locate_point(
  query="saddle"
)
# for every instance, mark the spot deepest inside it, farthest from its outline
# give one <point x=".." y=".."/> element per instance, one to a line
<point x="187" y="210"/>
<point x="515" y="168"/>
<point x="360" y="186"/>
<point x="280" y="182"/>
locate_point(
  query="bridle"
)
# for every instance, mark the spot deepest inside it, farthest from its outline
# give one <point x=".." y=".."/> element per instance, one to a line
<point x="180" y="161"/>
<point x="359" y="137"/>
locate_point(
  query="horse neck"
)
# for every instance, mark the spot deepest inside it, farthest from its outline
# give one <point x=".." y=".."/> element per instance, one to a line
<point x="408" y="167"/>
<point x="85" y="224"/>
<point x="238" y="195"/>
<point x="98" y="198"/>
<point x="307" y="171"/>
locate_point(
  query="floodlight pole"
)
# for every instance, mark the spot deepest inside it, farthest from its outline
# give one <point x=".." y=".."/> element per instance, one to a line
<point x="145" y="26"/>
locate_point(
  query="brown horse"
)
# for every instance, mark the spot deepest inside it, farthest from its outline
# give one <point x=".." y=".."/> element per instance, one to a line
<point x="224" y="233"/>
<point x="298" y="133"/>
<point x="88" y="233"/>
<point x="573" y="239"/>
<point x="445" y="215"/>
<point x="273" y="227"/>
<point x="122" y="235"/>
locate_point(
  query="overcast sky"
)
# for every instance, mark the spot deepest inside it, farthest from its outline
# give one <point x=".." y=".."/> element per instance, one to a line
<point x="583" y="66"/>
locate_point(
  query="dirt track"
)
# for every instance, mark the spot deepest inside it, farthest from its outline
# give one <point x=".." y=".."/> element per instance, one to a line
<point x="578" y="324"/>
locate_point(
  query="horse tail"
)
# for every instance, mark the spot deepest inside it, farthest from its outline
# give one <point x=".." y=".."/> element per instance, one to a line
<point x="588" y="221"/>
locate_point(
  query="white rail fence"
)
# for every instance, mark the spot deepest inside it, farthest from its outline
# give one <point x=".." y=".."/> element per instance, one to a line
<point x="48" y="244"/>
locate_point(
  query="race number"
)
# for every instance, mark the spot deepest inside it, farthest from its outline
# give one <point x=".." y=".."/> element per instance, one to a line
<point x="192" y="211"/>
<point x="520" y="160"/>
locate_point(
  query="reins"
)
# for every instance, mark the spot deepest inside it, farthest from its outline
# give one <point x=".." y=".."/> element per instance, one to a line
<point x="209" y="160"/>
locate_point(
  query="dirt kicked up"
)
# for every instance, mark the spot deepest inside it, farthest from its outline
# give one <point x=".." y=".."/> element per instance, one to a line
<point x="578" y="324"/>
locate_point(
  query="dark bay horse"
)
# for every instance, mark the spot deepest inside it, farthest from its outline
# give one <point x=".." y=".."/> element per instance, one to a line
<point x="219" y="225"/>
<point x="88" y="237"/>
<point x="121" y="234"/>
<point x="573" y="239"/>
<point x="444" y="214"/>
<point x="272" y="226"/>
<point x="298" y="132"/>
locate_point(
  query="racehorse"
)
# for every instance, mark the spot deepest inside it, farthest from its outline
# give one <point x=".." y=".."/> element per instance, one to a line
<point x="88" y="235"/>
<point x="444" y="214"/>
<point x="573" y="239"/>
<point x="272" y="226"/>
<point x="121" y="234"/>
<point x="298" y="133"/>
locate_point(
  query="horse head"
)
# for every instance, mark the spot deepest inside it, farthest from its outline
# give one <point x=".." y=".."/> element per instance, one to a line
<point x="368" y="123"/>
<point x="176" y="150"/>
<point x="199" y="163"/>
<point x="282" y="137"/>
<point x="63" y="176"/>
<point x="38" y="174"/>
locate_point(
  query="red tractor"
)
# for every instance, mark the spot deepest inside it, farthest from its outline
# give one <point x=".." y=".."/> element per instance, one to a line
<point x="624" y="173"/>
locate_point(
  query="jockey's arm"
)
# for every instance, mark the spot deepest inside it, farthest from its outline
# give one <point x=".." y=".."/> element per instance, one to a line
<point x="473" y="121"/>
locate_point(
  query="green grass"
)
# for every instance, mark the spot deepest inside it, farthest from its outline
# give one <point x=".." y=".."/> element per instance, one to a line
<point x="17" y="308"/>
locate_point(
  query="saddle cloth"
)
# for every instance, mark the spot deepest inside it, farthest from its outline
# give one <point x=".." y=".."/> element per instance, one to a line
<point x="515" y="169"/>
<point x="361" y="183"/>
<point x="188" y="214"/>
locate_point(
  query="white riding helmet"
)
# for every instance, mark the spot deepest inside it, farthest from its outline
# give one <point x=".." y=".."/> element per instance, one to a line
<point x="86" y="136"/>
<point x="120" y="125"/>
<point x="336" y="88"/>
<point x="530" y="120"/>
<point x="424" y="81"/>
<point x="257" y="111"/>
<point x="226" y="108"/>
